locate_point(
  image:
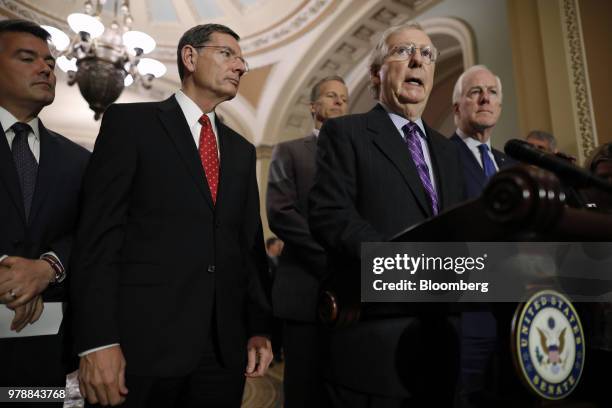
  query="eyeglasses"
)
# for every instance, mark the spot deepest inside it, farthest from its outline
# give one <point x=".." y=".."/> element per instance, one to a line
<point x="404" y="52"/>
<point x="228" y="54"/>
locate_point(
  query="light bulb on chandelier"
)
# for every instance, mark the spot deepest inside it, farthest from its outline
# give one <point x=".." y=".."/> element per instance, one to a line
<point x="104" y="60"/>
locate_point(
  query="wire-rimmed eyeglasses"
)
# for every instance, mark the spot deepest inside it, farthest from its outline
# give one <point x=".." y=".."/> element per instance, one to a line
<point x="227" y="53"/>
<point x="404" y="52"/>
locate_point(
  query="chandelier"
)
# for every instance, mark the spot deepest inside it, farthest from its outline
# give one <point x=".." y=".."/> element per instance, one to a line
<point x="104" y="60"/>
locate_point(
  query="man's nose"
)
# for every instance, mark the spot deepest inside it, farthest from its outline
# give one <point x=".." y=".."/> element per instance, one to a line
<point x="416" y="59"/>
<point x="485" y="97"/>
<point x="44" y="68"/>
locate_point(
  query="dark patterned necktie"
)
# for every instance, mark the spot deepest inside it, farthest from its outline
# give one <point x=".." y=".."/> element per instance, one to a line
<point x="25" y="163"/>
<point x="487" y="164"/>
<point x="412" y="135"/>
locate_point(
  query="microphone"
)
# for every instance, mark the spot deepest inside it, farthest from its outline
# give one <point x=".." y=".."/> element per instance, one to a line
<point x="567" y="172"/>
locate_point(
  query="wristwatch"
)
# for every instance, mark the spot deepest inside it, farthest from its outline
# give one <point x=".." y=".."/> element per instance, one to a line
<point x="58" y="269"/>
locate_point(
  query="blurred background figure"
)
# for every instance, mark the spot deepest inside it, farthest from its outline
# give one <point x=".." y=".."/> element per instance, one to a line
<point x="542" y="140"/>
<point x="274" y="248"/>
<point x="600" y="164"/>
<point x="295" y="289"/>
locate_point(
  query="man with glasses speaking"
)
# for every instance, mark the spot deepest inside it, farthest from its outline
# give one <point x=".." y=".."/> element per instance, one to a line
<point x="379" y="173"/>
<point x="167" y="309"/>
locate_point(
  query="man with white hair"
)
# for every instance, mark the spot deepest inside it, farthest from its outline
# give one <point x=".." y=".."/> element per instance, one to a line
<point x="379" y="173"/>
<point x="477" y="105"/>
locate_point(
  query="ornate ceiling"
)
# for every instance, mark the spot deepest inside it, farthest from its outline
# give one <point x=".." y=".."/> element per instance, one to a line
<point x="290" y="44"/>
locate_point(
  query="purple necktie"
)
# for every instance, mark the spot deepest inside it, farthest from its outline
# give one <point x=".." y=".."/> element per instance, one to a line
<point x="412" y="135"/>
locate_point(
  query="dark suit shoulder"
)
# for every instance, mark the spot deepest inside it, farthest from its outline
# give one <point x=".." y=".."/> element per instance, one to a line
<point x="69" y="145"/>
<point x="298" y="143"/>
<point x="138" y="106"/>
<point x="234" y="136"/>
<point x="445" y="141"/>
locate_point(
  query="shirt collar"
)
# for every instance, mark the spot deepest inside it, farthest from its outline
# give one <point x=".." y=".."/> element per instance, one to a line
<point x="400" y="122"/>
<point x="191" y="110"/>
<point x="316" y="132"/>
<point x="470" y="141"/>
<point x="7" y="120"/>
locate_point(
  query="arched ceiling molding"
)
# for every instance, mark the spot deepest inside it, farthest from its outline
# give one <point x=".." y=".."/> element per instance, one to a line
<point x="308" y="17"/>
<point x="287" y="60"/>
<point x="348" y="53"/>
<point x="26" y="10"/>
<point x="457" y="29"/>
<point x="342" y="45"/>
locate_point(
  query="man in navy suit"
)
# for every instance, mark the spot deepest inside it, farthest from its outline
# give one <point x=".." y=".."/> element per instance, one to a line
<point x="40" y="179"/>
<point x="477" y="104"/>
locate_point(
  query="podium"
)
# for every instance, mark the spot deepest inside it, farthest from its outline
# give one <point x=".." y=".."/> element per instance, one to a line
<point x="523" y="203"/>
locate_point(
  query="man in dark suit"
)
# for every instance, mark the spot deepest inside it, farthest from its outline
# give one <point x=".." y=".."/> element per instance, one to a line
<point x="40" y="178"/>
<point x="302" y="265"/>
<point x="477" y="105"/>
<point x="379" y="173"/>
<point x="166" y="283"/>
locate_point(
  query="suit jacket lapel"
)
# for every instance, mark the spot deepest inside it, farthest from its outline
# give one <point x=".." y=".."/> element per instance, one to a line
<point x="49" y="166"/>
<point x="227" y="153"/>
<point x="469" y="162"/>
<point x="440" y="154"/>
<point x="311" y="142"/>
<point x="174" y="122"/>
<point x="500" y="159"/>
<point x="8" y="174"/>
<point x="386" y="137"/>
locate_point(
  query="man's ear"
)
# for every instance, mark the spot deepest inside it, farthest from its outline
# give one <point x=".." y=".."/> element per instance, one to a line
<point x="374" y="78"/>
<point x="189" y="57"/>
<point x="456" y="108"/>
<point x="312" y="109"/>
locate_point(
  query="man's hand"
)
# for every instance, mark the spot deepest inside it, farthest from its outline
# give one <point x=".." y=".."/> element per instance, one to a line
<point x="28" y="313"/>
<point x="102" y="377"/>
<point x="259" y="352"/>
<point x="22" y="279"/>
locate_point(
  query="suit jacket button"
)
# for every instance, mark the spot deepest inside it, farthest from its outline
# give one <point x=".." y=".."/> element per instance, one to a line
<point x="211" y="268"/>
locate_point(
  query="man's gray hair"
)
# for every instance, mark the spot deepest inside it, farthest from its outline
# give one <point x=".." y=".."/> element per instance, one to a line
<point x="458" y="90"/>
<point x="381" y="50"/>
<point x="544" y="137"/>
<point x="315" y="92"/>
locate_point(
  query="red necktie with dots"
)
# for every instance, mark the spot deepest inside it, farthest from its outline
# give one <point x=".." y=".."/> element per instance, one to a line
<point x="209" y="155"/>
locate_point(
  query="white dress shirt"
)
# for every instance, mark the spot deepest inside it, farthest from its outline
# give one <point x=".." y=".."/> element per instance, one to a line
<point x="473" y="144"/>
<point x="193" y="113"/>
<point x="7" y="120"/>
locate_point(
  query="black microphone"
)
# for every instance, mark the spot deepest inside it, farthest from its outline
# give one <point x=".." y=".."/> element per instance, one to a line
<point x="567" y="172"/>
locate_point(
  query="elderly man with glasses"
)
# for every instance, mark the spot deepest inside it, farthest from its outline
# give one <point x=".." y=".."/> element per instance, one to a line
<point x="170" y="246"/>
<point x="379" y="173"/>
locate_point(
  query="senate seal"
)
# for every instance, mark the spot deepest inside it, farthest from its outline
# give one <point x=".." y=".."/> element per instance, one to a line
<point x="548" y="345"/>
